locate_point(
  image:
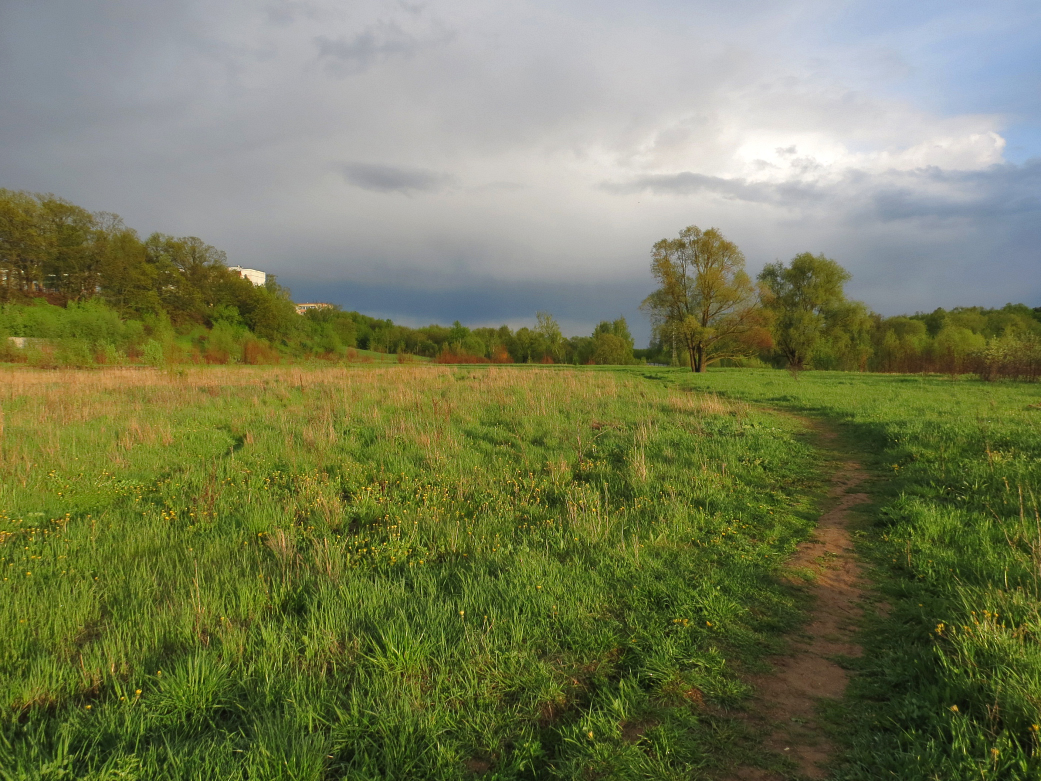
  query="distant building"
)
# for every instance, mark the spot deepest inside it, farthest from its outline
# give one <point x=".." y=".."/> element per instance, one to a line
<point x="258" y="278"/>
<point x="301" y="308"/>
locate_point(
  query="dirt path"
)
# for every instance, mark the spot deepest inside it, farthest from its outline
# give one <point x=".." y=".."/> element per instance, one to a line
<point x="786" y="701"/>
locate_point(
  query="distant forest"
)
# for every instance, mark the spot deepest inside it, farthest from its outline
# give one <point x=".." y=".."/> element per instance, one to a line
<point x="85" y="288"/>
<point x="81" y="288"/>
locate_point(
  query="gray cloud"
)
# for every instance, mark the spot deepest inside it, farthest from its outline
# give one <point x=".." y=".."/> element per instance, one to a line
<point x="1001" y="191"/>
<point x="927" y="193"/>
<point x="687" y="183"/>
<point x="347" y="55"/>
<point x="394" y="179"/>
<point x="365" y="49"/>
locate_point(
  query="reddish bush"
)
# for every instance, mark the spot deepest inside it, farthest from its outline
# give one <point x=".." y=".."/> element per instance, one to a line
<point x="215" y="355"/>
<point x="257" y="351"/>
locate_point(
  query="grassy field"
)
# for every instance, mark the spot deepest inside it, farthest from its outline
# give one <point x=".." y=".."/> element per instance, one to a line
<point x="400" y="572"/>
<point x="950" y="685"/>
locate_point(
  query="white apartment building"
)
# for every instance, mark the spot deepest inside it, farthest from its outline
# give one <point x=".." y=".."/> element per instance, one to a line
<point x="258" y="278"/>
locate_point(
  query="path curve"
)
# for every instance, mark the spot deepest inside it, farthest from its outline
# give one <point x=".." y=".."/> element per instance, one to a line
<point x="786" y="700"/>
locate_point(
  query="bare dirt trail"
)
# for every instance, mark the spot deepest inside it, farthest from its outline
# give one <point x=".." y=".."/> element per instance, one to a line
<point x="786" y="700"/>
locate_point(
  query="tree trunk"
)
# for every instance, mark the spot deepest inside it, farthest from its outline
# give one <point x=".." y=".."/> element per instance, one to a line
<point x="697" y="359"/>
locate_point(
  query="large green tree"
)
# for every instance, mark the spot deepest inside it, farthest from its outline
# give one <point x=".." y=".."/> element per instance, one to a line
<point x="22" y="244"/>
<point x="612" y="343"/>
<point x="806" y="300"/>
<point x="705" y="302"/>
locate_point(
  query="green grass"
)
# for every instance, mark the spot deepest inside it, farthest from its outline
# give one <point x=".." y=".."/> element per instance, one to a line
<point x="356" y="354"/>
<point x="402" y="572"/>
<point x="950" y="684"/>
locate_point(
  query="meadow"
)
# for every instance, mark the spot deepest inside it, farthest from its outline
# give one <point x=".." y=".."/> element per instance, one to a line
<point x="388" y="572"/>
<point x="950" y="683"/>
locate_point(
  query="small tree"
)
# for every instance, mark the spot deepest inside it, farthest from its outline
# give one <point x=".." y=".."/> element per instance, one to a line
<point x="706" y="302"/>
<point x="612" y="343"/>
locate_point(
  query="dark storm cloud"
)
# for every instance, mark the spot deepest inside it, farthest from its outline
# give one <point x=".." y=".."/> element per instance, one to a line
<point x="1002" y="191"/>
<point x="394" y="179"/>
<point x="489" y="302"/>
<point x="932" y="193"/>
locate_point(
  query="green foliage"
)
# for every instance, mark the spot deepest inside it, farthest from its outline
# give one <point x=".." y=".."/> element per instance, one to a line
<point x="807" y="301"/>
<point x="54" y="248"/>
<point x="153" y="353"/>
<point x="611" y="349"/>
<point x="992" y="343"/>
<point x="705" y="302"/>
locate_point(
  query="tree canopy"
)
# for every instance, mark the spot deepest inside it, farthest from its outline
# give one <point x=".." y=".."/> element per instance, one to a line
<point x="806" y="299"/>
<point x="705" y="301"/>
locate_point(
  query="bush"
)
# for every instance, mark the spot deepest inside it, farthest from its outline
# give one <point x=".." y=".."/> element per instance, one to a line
<point x="1010" y="357"/>
<point x="153" y="353"/>
<point x="74" y="352"/>
<point x="609" y="349"/>
<point x="258" y="351"/>
<point x="221" y="343"/>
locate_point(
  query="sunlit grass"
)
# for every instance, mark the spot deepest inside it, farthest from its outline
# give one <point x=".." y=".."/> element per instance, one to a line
<point x="410" y="571"/>
<point x="950" y="686"/>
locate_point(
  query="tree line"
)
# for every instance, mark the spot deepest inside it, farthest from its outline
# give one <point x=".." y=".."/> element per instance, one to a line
<point x="97" y="292"/>
<point x="707" y="310"/>
<point x="55" y="250"/>
<point x="610" y="343"/>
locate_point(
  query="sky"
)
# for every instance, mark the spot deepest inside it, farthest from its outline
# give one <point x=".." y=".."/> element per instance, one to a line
<point x="474" y="161"/>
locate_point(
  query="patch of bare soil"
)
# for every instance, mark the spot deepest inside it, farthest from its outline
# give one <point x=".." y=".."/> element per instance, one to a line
<point x="787" y="700"/>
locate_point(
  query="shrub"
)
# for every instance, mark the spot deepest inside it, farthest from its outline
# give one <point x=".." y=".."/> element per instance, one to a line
<point x="1009" y="357"/>
<point x="152" y="354"/>
<point x="258" y="351"/>
<point x="74" y="352"/>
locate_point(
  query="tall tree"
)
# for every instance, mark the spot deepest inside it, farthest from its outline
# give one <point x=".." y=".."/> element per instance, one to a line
<point x="23" y="245"/>
<point x="806" y="299"/>
<point x="549" y="329"/>
<point x="705" y="300"/>
<point x="72" y="261"/>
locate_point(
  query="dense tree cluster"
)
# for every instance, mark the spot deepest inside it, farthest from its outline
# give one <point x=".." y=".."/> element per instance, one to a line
<point x="55" y="249"/>
<point x="83" y="287"/>
<point x="335" y="330"/>
<point x="992" y="343"/>
<point x="707" y="310"/>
